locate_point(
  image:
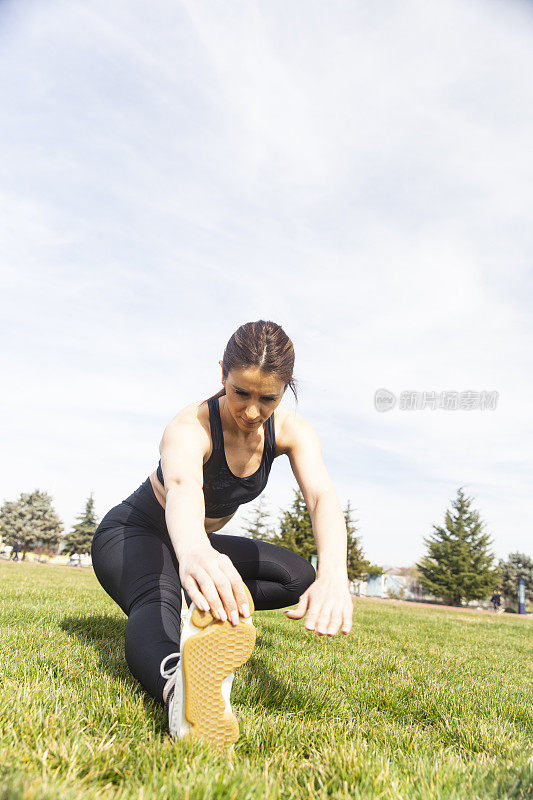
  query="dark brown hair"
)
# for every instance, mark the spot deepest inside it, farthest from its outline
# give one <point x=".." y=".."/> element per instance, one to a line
<point x="262" y="344"/>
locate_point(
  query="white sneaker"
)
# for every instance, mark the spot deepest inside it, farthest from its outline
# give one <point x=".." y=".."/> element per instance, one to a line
<point x="174" y="702"/>
<point x="210" y="650"/>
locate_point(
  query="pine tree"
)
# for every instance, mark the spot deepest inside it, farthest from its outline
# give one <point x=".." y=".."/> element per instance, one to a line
<point x="459" y="564"/>
<point x="356" y="562"/>
<point x="374" y="571"/>
<point x="14" y="522"/>
<point x="296" y="529"/>
<point x="518" y="565"/>
<point x="32" y="520"/>
<point x="256" y="524"/>
<point x="80" y="537"/>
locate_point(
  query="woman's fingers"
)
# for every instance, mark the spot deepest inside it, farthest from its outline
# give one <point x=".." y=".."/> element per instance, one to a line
<point x="329" y="606"/>
<point x="240" y="595"/>
<point x="191" y="587"/>
<point x="219" y="583"/>
<point x="225" y="591"/>
<point x="299" y="611"/>
<point x="209" y="584"/>
<point x="335" y="621"/>
<point x="315" y="605"/>
<point x="347" y="617"/>
<point x="323" y="617"/>
<point x="230" y="588"/>
<point x="206" y="597"/>
<point x="339" y="616"/>
<point x="238" y="587"/>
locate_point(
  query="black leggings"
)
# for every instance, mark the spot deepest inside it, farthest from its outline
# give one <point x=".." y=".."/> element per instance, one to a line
<point x="135" y="562"/>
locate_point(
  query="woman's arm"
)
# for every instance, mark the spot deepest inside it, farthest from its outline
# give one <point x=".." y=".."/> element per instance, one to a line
<point x="182" y="451"/>
<point x="327" y="601"/>
<point x="209" y="577"/>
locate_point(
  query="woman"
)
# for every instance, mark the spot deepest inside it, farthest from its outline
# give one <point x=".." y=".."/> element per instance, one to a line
<point x="215" y="455"/>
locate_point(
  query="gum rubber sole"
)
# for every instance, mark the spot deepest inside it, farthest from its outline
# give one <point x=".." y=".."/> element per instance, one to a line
<point x="209" y="656"/>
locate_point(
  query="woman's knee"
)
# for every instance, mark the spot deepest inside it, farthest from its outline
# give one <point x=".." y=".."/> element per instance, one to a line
<point x="303" y="575"/>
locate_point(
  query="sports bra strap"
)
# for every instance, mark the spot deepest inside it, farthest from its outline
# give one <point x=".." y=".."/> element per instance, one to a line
<point x="216" y="424"/>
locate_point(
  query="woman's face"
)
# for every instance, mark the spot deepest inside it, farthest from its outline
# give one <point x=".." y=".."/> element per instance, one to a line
<point x="252" y="396"/>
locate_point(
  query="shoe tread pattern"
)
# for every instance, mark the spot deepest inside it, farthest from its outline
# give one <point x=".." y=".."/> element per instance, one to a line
<point x="209" y="656"/>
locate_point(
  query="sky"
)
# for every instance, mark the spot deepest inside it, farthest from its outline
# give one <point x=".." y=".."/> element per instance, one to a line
<point x="361" y="174"/>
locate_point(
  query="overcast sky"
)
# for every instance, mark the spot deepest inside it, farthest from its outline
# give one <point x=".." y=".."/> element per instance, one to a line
<point x="359" y="173"/>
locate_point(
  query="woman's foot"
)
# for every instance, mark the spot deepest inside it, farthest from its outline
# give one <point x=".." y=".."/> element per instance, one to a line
<point x="173" y="693"/>
<point x="199" y="685"/>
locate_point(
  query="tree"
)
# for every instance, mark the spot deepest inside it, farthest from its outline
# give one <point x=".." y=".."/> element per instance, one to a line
<point x="373" y="571"/>
<point x="256" y="524"/>
<point x="80" y="537"/>
<point x="518" y="565"/>
<point x="13" y="521"/>
<point x="357" y="564"/>
<point x="31" y="519"/>
<point x="296" y="529"/>
<point x="459" y="564"/>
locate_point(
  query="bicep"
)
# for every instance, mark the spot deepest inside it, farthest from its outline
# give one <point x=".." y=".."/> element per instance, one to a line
<point x="305" y="456"/>
<point x="182" y="452"/>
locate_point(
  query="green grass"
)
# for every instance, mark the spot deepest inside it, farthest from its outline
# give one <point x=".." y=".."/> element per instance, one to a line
<point x="416" y="702"/>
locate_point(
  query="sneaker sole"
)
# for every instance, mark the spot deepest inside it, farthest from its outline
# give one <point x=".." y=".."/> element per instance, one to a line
<point x="208" y="658"/>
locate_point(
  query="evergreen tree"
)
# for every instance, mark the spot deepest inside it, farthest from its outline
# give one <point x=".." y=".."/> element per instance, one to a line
<point x="256" y="524"/>
<point x="373" y="571"/>
<point x="518" y="565"/>
<point x="296" y="529"/>
<point x="31" y="519"/>
<point x="459" y="564"/>
<point x="80" y="537"/>
<point x="356" y="562"/>
<point x="14" y="521"/>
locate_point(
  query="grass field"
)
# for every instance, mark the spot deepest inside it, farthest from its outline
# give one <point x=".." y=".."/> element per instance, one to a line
<point x="416" y="702"/>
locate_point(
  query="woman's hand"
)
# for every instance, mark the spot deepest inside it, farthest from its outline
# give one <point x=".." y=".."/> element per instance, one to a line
<point x="328" y="604"/>
<point x="213" y="583"/>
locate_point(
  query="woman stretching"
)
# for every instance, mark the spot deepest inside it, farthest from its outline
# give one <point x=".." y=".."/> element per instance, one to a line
<point x="163" y="538"/>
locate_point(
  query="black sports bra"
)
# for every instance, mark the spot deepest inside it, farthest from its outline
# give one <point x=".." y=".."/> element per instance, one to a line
<point x="223" y="491"/>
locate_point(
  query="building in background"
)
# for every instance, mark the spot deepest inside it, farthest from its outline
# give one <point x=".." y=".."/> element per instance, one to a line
<point x="400" y="583"/>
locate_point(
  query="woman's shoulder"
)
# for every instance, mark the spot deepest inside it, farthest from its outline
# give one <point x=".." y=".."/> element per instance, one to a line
<point x="291" y="430"/>
<point x="196" y="416"/>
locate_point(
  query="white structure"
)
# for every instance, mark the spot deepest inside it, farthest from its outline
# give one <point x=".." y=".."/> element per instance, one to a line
<point x="390" y="585"/>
